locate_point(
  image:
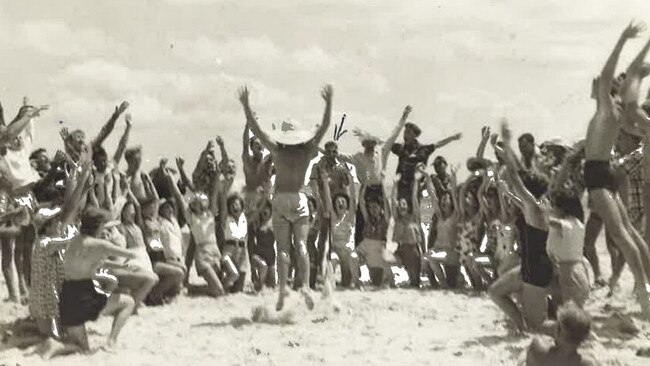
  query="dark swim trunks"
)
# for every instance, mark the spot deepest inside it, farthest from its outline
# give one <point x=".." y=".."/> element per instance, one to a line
<point x="80" y="302"/>
<point x="598" y="175"/>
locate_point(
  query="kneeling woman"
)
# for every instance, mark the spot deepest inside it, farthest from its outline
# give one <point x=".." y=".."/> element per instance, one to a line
<point x="263" y="249"/>
<point x="566" y="237"/>
<point x="199" y="213"/>
<point x="342" y="232"/>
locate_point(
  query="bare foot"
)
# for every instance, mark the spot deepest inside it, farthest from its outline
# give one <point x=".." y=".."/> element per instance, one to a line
<point x="309" y="299"/>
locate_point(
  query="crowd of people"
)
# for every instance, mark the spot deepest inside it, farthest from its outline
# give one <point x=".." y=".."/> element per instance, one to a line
<point x="82" y="237"/>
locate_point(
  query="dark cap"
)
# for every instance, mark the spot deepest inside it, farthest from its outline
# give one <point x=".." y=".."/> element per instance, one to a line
<point x="413" y="127"/>
<point x="439" y="160"/>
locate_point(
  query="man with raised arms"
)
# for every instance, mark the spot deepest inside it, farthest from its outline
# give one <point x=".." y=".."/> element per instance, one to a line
<point x="290" y="208"/>
<point x="600" y="181"/>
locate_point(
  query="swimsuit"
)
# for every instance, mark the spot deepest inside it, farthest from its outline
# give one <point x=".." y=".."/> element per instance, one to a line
<point x="598" y="175"/>
<point x="80" y="302"/>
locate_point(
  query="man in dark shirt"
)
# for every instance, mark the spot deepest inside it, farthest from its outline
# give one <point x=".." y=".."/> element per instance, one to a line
<point x="411" y="153"/>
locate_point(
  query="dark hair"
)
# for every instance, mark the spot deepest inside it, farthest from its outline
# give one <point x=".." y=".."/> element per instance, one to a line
<point x="536" y="184"/>
<point x="526" y="137"/>
<point x="92" y="220"/>
<point x="168" y="202"/>
<point x="345" y="196"/>
<point x="99" y="152"/>
<point x="329" y="144"/>
<point x="232" y="198"/>
<point x="492" y="191"/>
<point x="568" y="204"/>
<point x="34" y="155"/>
<point x="439" y="160"/>
<point x="575" y="322"/>
<point x="413" y="127"/>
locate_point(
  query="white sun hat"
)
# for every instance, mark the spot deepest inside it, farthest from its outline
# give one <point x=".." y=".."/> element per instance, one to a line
<point x="292" y="132"/>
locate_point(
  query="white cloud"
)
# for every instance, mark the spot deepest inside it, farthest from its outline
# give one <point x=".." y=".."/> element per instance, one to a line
<point x="55" y="38"/>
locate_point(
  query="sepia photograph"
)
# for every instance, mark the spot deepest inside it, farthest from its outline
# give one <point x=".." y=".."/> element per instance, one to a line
<point x="320" y="182"/>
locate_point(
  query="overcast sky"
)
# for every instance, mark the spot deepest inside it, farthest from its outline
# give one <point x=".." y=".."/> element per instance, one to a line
<point x="460" y="63"/>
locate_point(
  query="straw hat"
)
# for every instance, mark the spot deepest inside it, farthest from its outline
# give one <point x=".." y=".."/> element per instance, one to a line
<point x="291" y="132"/>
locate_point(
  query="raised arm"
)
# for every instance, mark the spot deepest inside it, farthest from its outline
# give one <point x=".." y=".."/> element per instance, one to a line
<point x="222" y="149"/>
<point x="180" y="163"/>
<point x="327" y="93"/>
<point x="482" y="200"/>
<point x="73" y="200"/>
<point x="485" y="137"/>
<point x="447" y="140"/>
<point x="121" y="146"/>
<point x="385" y="150"/>
<point x="109" y="126"/>
<point x="252" y="123"/>
<point x="18" y="125"/>
<point x="607" y="74"/>
<point x="245" y="155"/>
<point x="177" y="193"/>
<point x="215" y="193"/>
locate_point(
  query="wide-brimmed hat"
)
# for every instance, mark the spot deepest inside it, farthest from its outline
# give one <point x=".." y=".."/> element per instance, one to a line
<point x="292" y="132"/>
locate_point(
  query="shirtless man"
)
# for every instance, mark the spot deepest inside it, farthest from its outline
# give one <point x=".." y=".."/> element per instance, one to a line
<point x="600" y="181"/>
<point x="573" y="329"/>
<point x="79" y="300"/>
<point x="104" y="169"/>
<point x="290" y="208"/>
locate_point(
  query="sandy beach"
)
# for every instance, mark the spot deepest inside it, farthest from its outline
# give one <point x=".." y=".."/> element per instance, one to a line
<point x="385" y="327"/>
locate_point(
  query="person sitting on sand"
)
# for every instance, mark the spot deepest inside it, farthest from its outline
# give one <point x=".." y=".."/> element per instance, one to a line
<point x="170" y="274"/>
<point x="574" y="327"/>
<point x="441" y="258"/>
<point x="79" y="299"/>
<point x="536" y="271"/>
<point x="406" y="232"/>
<point x="138" y="275"/>
<point x="290" y="212"/>
<point x="262" y="252"/>
<point x="376" y="216"/>
<point x="200" y="216"/>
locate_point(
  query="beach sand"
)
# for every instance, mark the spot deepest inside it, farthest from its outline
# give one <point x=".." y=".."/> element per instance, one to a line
<point x="386" y="327"/>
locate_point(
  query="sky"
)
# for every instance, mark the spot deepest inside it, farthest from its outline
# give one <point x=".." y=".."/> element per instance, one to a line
<point x="461" y="64"/>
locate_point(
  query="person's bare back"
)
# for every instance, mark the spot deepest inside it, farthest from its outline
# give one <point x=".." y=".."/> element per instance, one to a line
<point x="604" y="126"/>
<point x="85" y="255"/>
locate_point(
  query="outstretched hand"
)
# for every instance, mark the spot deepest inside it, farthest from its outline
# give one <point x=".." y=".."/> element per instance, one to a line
<point x="457" y="136"/>
<point x="485" y="133"/>
<point x="180" y="162"/>
<point x="407" y="111"/>
<point x="219" y="140"/>
<point x="64" y="133"/>
<point x="243" y="95"/>
<point x="35" y="112"/>
<point x="121" y="108"/>
<point x="327" y="93"/>
<point x="633" y="29"/>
